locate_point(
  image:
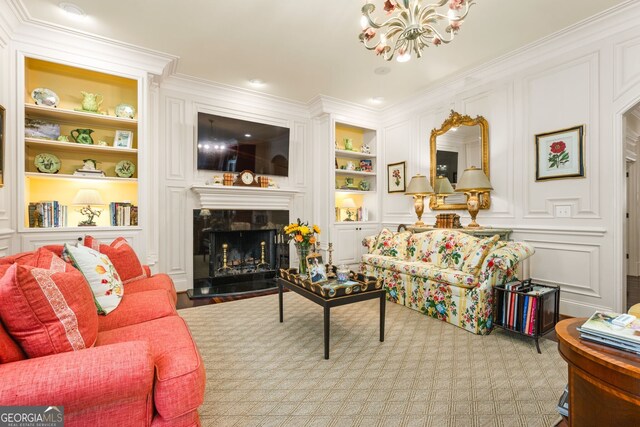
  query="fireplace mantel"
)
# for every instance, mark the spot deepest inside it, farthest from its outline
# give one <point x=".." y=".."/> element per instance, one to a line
<point x="231" y="197"/>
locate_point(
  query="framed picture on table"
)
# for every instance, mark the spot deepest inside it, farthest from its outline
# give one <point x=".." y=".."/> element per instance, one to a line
<point x="560" y="154"/>
<point x="316" y="268"/>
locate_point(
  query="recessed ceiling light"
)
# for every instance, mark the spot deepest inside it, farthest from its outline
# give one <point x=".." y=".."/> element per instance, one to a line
<point x="381" y="71"/>
<point x="72" y="9"/>
<point x="247" y="135"/>
<point x="377" y="99"/>
<point x="256" y="82"/>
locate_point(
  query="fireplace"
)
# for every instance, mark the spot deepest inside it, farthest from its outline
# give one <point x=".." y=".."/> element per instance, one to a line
<point x="237" y="250"/>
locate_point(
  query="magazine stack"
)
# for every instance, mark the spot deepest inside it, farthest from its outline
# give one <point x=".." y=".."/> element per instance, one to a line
<point x="621" y="331"/>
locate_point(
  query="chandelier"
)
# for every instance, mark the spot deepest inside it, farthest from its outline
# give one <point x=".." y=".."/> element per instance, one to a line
<point x="411" y="26"/>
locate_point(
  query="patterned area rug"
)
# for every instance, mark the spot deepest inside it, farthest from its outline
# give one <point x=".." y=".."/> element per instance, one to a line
<point x="426" y="373"/>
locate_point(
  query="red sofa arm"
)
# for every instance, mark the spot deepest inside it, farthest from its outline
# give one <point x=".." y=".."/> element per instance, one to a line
<point x="147" y="270"/>
<point x="81" y="379"/>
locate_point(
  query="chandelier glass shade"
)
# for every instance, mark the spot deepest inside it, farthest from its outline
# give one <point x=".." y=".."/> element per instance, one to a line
<point x="411" y="26"/>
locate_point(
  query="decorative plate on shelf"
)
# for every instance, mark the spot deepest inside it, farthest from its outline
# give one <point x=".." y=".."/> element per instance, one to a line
<point x="125" y="110"/>
<point x="47" y="163"/>
<point x="46" y="97"/>
<point x="125" y="169"/>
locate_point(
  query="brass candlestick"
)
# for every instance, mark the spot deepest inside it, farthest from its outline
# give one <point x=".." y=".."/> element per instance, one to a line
<point x="224" y="267"/>
<point x="263" y="263"/>
<point x="329" y="266"/>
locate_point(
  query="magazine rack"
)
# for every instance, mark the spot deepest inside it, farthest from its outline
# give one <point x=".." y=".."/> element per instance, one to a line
<point x="527" y="308"/>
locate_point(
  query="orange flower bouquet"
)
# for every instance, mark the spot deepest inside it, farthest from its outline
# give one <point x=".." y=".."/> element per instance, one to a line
<point x="303" y="235"/>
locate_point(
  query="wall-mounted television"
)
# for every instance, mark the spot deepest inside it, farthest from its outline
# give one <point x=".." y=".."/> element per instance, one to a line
<point x="233" y="145"/>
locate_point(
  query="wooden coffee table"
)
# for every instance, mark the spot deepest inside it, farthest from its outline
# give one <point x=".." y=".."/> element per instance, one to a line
<point x="328" y="302"/>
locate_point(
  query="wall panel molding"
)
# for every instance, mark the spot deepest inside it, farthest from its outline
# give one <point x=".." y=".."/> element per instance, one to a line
<point x="175" y="135"/>
<point x="627" y="66"/>
<point x="570" y="254"/>
<point x="564" y="74"/>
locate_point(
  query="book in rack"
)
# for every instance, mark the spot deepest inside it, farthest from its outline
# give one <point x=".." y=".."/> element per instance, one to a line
<point x="527" y="308"/>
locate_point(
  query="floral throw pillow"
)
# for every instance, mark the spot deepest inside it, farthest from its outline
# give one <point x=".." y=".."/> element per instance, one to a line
<point x="102" y="277"/>
<point x="382" y="241"/>
<point x="476" y="255"/>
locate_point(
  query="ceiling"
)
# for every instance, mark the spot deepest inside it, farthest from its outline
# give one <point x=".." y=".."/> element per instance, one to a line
<point x="301" y="49"/>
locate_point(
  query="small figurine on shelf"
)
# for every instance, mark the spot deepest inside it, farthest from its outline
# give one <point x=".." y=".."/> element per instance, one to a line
<point x="348" y="144"/>
<point x="366" y="149"/>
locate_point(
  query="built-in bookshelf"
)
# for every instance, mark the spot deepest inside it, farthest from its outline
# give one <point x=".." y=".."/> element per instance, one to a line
<point x="355" y="170"/>
<point x="56" y="189"/>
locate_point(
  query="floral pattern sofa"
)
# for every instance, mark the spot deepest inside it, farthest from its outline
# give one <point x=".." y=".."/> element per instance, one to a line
<point x="444" y="274"/>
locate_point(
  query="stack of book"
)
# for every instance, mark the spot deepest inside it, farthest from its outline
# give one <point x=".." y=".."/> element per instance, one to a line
<point x="520" y="305"/>
<point x="47" y="215"/>
<point x="123" y="214"/>
<point x="448" y="220"/>
<point x="621" y="331"/>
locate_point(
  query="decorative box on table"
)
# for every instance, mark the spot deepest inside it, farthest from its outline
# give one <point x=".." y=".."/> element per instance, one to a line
<point x="332" y="288"/>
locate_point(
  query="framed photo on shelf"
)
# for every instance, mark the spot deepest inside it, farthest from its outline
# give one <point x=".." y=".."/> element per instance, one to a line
<point x="316" y="269"/>
<point x="560" y="154"/>
<point x="123" y="139"/>
<point x="396" y="173"/>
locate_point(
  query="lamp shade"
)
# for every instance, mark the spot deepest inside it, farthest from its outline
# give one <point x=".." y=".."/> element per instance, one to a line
<point x="419" y="186"/>
<point x="87" y="197"/>
<point x="473" y="179"/>
<point x="443" y="185"/>
<point x="348" y="203"/>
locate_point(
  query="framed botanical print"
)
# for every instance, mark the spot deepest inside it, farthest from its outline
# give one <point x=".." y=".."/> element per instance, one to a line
<point x="560" y="154"/>
<point x="396" y="173"/>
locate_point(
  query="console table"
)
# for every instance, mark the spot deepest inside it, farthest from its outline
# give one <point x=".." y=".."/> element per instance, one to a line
<point x="604" y="383"/>
<point x="482" y="232"/>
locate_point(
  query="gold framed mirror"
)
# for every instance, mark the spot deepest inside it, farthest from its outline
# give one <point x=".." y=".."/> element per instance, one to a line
<point x="461" y="142"/>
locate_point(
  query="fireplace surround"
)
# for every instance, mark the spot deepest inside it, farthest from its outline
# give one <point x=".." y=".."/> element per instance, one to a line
<point x="237" y="250"/>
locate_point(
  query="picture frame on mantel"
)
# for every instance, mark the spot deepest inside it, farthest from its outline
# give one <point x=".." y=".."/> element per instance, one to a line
<point x="396" y="177"/>
<point x="560" y="154"/>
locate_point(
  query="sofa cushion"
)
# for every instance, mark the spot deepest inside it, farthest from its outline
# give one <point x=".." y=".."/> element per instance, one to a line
<point x="422" y="247"/>
<point x="41" y="257"/>
<point x="122" y="256"/>
<point x="138" y="307"/>
<point x="47" y="311"/>
<point x="476" y="254"/>
<point x="10" y="351"/>
<point x="157" y="281"/>
<point x="392" y="244"/>
<point x="424" y="270"/>
<point x="102" y="277"/>
<point x="180" y="375"/>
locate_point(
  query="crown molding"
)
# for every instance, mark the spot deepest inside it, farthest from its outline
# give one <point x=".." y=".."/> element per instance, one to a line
<point x="207" y="91"/>
<point x="345" y="111"/>
<point x="38" y="32"/>
<point x="609" y="22"/>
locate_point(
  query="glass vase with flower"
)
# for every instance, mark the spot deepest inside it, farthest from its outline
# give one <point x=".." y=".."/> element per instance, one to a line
<point x="304" y="237"/>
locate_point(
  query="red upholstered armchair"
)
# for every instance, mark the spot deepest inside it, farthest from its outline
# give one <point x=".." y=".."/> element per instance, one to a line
<point x="136" y="366"/>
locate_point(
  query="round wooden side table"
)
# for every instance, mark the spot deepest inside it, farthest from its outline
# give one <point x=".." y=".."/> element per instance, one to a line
<point x="604" y="383"/>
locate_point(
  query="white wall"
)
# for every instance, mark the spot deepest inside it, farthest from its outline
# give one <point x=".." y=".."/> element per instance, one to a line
<point x="588" y="75"/>
<point x="181" y="99"/>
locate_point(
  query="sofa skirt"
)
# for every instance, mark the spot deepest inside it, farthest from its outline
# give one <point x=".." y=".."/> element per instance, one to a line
<point x="470" y="309"/>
